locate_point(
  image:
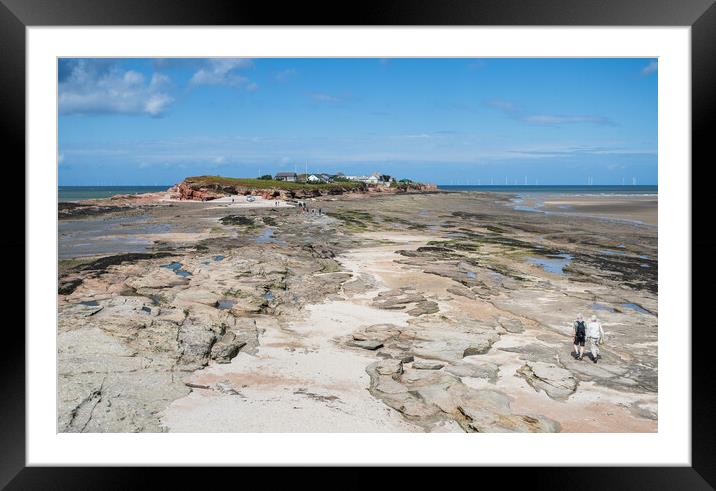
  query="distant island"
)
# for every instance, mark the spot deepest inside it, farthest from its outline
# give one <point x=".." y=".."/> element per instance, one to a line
<point x="289" y="185"/>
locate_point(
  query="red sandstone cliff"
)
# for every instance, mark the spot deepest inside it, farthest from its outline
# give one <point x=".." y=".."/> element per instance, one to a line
<point x="189" y="190"/>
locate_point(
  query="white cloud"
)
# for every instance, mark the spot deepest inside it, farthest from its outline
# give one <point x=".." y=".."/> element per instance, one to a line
<point x="552" y="119"/>
<point x="90" y="87"/>
<point x="284" y="75"/>
<point x="652" y="67"/>
<point x="221" y="71"/>
<point x="517" y="113"/>
<point x="323" y="97"/>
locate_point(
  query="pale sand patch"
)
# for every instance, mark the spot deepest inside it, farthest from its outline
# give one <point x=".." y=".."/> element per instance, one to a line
<point x="239" y="202"/>
<point x="300" y="381"/>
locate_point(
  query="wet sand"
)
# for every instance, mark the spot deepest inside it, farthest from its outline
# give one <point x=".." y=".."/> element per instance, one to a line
<point x="642" y="209"/>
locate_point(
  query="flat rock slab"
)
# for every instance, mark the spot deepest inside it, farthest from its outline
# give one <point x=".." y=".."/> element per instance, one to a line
<point x="397" y="299"/>
<point x="488" y="411"/>
<point x="427" y="365"/>
<point x="513" y="326"/>
<point x="369" y="344"/>
<point x="387" y="385"/>
<point x="485" y="370"/>
<point x="557" y="382"/>
<point x="489" y="422"/>
<point x="462" y="292"/>
<point x="389" y="367"/>
<point x="377" y="332"/>
<point x="197" y="296"/>
<point x="479" y="347"/>
<point x="427" y="307"/>
<point x="82" y="310"/>
<point x="533" y="352"/>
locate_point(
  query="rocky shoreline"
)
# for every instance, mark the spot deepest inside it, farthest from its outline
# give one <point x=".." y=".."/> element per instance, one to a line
<point x="205" y="189"/>
<point x="402" y="312"/>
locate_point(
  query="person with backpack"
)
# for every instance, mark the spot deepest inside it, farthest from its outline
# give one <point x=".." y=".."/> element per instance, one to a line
<point x="595" y="333"/>
<point x="580" y="334"/>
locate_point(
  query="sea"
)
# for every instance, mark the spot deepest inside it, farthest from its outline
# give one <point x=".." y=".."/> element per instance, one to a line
<point x="573" y="190"/>
<point x="80" y="193"/>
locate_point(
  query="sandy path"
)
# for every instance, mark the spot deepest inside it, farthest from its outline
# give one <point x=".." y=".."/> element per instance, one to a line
<point x="236" y="201"/>
<point x="301" y="380"/>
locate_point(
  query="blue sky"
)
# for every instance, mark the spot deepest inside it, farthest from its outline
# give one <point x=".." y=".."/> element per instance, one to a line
<point x="448" y="121"/>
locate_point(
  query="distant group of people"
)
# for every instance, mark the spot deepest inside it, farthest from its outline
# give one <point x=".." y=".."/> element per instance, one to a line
<point x="304" y="209"/>
<point x="587" y="331"/>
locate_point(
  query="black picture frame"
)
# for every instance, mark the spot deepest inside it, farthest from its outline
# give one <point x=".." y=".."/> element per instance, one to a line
<point x="700" y="15"/>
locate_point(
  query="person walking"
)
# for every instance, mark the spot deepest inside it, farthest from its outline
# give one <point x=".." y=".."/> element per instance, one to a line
<point x="595" y="333"/>
<point x="580" y="333"/>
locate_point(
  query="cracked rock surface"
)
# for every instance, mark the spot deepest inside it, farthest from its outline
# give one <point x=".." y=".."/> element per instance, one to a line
<point x="407" y="312"/>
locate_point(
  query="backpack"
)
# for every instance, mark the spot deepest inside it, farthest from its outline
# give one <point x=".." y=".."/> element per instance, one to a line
<point x="581" y="328"/>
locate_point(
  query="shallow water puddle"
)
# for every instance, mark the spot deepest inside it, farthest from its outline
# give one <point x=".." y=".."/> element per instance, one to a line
<point x="599" y="306"/>
<point x="89" y="237"/>
<point x="177" y="268"/>
<point x="218" y="258"/>
<point x="607" y="252"/>
<point x="266" y="237"/>
<point x="636" y="308"/>
<point x="552" y="264"/>
<point x="225" y="304"/>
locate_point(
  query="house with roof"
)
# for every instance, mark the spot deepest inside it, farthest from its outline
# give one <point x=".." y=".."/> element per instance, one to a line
<point x="371" y="179"/>
<point x="286" y="176"/>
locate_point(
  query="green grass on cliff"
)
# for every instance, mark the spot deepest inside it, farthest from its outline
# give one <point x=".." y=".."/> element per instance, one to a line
<point x="205" y="181"/>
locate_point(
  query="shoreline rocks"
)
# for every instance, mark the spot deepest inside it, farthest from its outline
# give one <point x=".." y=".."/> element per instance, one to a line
<point x="475" y="315"/>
